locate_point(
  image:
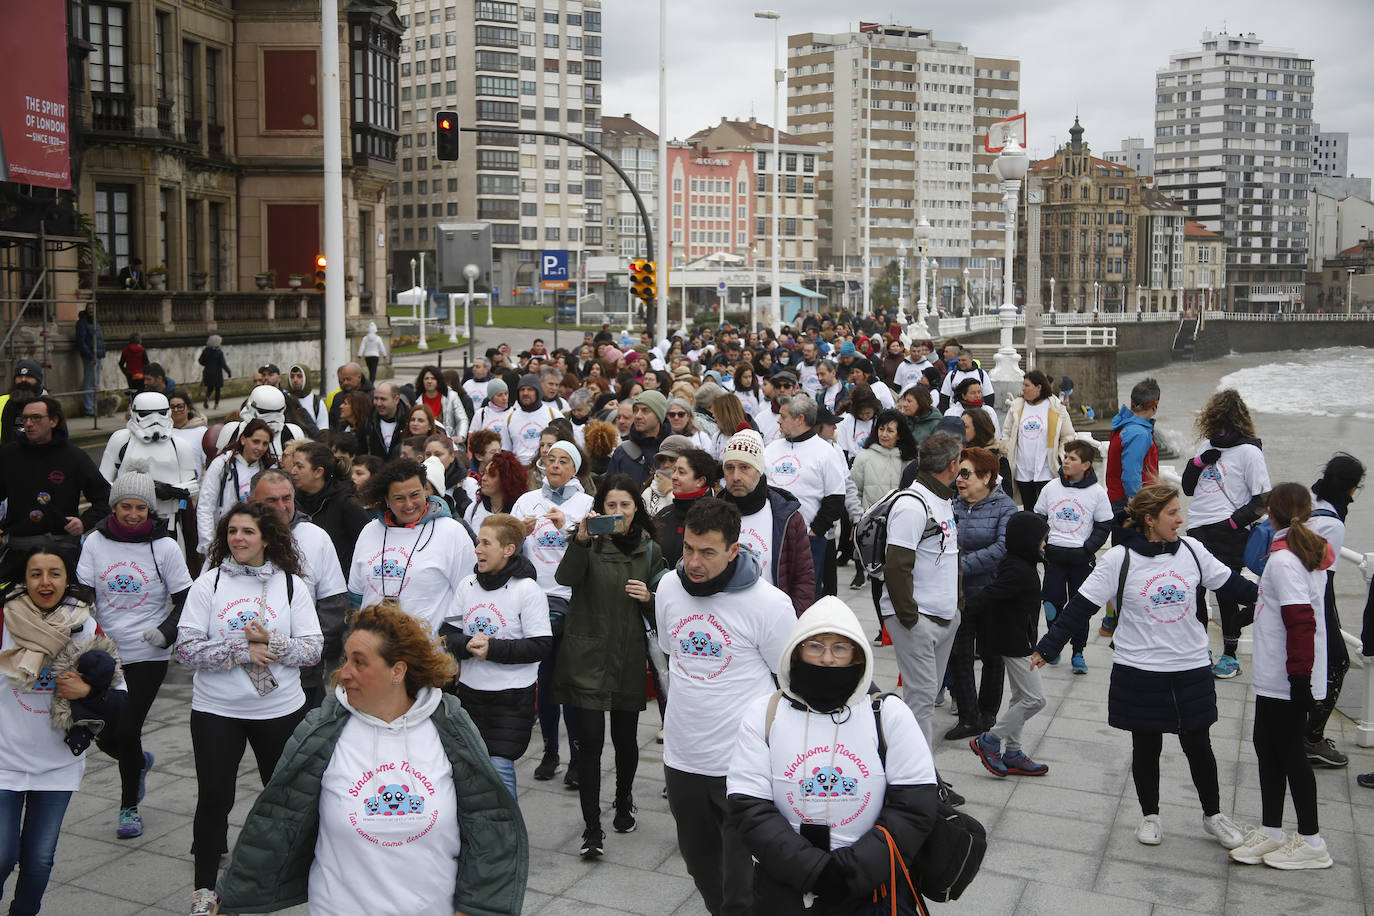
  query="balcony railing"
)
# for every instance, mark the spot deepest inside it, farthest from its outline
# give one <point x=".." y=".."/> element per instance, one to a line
<point x="112" y="111"/>
<point x="165" y="125"/>
<point x="173" y="312"/>
<point x="215" y="132"/>
<point x="192" y="126"/>
<point x="373" y="146"/>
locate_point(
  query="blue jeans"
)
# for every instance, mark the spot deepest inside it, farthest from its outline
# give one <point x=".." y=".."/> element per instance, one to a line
<point x="32" y="846"/>
<point x="505" y="768"/>
<point x="818" y="547"/>
<point x="90" y="381"/>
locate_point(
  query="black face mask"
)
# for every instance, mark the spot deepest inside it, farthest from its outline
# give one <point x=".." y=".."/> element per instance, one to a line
<point x="825" y="689"/>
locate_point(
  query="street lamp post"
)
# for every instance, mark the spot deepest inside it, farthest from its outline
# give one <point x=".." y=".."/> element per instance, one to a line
<point x="424" y="305"/>
<point x="1349" y="290"/>
<point x="1139" y="298"/>
<point x="922" y="305"/>
<point x="1097" y="301"/>
<point x="1051" y="294"/>
<point x="966" y="297"/>
<point x="472" y="272"/>
<point x="901" y="286"/>
<point x="776" y="252"/>
<point x="1011" y="166"/>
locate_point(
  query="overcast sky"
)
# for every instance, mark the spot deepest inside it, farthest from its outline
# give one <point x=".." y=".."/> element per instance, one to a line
<point x="1086" y="56"/>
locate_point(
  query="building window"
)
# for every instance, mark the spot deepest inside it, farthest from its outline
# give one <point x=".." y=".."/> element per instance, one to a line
<point x="192" y="235"/>
<point x="497" y="37"/>
<point x="190" y="107"/>
<point x="218" y="246"/>
<point x="552" y="233"/>
<point x="108" y="54"/>
<point x="114" y="224"/>
<point x="293" y="103"/>
<point x="374" y="50"/>
<point x="160" y="32"/>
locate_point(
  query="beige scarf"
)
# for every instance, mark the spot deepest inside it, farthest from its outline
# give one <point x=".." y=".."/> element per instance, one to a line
<point x="38" y="636"/>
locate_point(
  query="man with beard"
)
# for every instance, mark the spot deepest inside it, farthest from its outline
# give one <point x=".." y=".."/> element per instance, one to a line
<point x="771" y="523"/>
<point x="520" y="432"/>
<point x="28" y="385"/>
<point x="637" y="453"/>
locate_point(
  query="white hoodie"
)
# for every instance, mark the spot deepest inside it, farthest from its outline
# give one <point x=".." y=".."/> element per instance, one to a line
<point x="388" y="842"/>
<point x="825" y="768"/>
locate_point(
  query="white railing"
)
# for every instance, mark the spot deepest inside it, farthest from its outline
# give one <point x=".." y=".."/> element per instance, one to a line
<point x="1078" y="336"/>
<point x="1289" y="316"/>
<point x="952" y="326"/>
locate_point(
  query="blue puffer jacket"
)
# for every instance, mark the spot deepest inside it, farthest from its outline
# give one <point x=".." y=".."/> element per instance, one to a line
<point x="982" y="537"/>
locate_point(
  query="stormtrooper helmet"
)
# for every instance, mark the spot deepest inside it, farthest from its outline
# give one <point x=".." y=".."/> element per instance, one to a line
<point x="267" y="404"/>
<point x="150" y="417"/>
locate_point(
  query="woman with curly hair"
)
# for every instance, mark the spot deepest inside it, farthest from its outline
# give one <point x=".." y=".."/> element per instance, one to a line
<point x="600" y="439"/>
<point x="388" y="707"/>
<point x="503" y="481"/>
<point x="247" y="629"/>
<point x="1227" y="480"/>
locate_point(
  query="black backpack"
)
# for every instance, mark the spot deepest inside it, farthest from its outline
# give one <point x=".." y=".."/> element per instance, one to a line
<point x="953" y="851"/>
<point x="870" y="531"/>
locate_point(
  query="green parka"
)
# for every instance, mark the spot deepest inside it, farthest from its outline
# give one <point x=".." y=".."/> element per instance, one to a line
<point x="270" y="868"/>
<point x="601" y="663"/>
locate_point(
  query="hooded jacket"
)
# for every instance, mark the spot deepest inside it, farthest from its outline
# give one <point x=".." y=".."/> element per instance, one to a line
<point x="982" y="537"/>
<point x="1132" y="458"/>
<point x="1007" y="609"/>
<point x="311" y="401"/>
<point x="828" y="768"/>
<point x="272" y="860"/>
<point x="790" y="561"/>
<point x="214" y="368"/>
<point x="342" y="518"/>
<point x="44" y="485"/>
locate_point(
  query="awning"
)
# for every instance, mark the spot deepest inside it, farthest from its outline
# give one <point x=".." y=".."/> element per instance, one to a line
<point x="800" y="291"/>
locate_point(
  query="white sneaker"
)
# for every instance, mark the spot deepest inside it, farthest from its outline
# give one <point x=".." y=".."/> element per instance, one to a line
<point x="1224" y="829"/>
<point x="1257" y="844"/>
<point x="203" y="901"/>
<point x="1296" y="854"/>
<point x="1150" y="832"/>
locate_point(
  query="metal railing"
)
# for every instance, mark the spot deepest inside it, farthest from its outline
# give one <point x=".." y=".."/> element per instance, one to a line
<point x="1078" y="336"/>
<point x="1289" y="316"/>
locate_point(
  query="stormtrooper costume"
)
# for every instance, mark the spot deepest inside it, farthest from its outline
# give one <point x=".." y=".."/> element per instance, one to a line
<point x="171" y="462"/>
<point x="267" y="404"/>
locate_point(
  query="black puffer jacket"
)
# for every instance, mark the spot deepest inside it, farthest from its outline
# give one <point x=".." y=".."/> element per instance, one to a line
<point x="341" y="517"/>
<point x="1007" y="609"/>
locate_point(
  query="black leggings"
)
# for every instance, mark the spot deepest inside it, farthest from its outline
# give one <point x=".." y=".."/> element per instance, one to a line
<point x="1227" y="544"/>
<point x="1197" y="747"/>
<point x="1337" y="664"/>
<point x="1030" y="492"/>
<point x="977" y="704"/>
<point x="218" y="743"/>
<point x="125" y="744"/>
<point x="591" y="733"/>
<point x="1283" y="762"/>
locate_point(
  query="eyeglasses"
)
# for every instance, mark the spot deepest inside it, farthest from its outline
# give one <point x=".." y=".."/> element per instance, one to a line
<point x="676" y="413"/>
<point x="840" y="651"/>
<point x="179" y="407"/>
<point x="32" y="417"/>
<point x="965" y="473"/>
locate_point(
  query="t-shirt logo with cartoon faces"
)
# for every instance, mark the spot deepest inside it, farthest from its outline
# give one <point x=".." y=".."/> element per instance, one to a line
<point x="1212" y="479"/>
<point x="241" y="620"/>
<point x="45" y="682"/>
<point x="700" y="644"/>
<point x="485" y="626"/>
<point x="828" y="782"/>
<point x="1169" y="602"/>
<point x="786" y="469"/>
<point x="124" y="586"/>
<point x="1031" y="427"/>
<point x="394" y="800"/>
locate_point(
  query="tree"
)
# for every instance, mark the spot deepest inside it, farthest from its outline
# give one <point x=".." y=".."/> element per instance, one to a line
<point x="881" y="295"/>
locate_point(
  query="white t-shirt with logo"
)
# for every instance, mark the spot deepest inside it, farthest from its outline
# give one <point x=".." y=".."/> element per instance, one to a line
<point x="1032" y="449"/>
<point x="1158" y="629"/>
<point x="936" y="572"/>
<point x="517" y="610"/>
<point x="807" y="378"/>
<point x="218" y="606"/>
<point x="1286" y="581"/>
<point x="388" y="842"/>
<point x="810" y="469"/>
<point x="133" y="584"/>
<point x="721" y="651"/>
<point x="421" y="566"/>
<point x="756" y="534"/>
<point x="520" y="432"/>
<point x="1222" y="488"/>
<point x="489" y="417"/>
<point x="1071" y="511"/>
<point x="818" y="772"/>
<point x="388" y="431"/>
<point x="319" y="560"/>
<point x="546" y="545"/>
<point x="476" y="389"/>
<point x="1333" y="529"/>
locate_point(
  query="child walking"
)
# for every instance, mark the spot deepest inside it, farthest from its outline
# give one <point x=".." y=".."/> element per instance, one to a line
<point x="1006" y="613"/>
<point x="1079" y="513"/>
<point x="1290" y="674"/>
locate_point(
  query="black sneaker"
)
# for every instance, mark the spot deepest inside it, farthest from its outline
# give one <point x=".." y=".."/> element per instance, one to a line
<point x="570" y="777"/>
<point x="625" y="811"/>
<point x="949" y="796"/>
<point x="593" y="843"/>
<point x="547" y="767"/>
<point x="858" y="580"/>
<point x="1366" y="780"/>
<point x="1324" y="753"/>
<point x="964" y="730"/>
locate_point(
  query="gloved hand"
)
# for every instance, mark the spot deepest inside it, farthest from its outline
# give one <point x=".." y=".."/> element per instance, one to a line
<point x="1210" y="456"/>
<point x="153" y="637"/>
<point x="832" y="883"/>
<point x="1300" y="691"/>
<point x="168" y="491"/>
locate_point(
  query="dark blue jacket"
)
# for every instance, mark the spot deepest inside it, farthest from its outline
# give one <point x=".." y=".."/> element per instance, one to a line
<point x="982" y="537"/>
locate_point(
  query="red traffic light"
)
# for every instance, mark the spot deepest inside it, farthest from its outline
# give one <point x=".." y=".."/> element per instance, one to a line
<point x="445" y="123"/>
<point x="319" y="260"/>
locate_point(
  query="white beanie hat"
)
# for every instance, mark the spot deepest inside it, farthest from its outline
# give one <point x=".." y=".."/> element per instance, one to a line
<point x="434" y="472"/>
<point x="133" y="482"/>
<point x="747" y="446"/>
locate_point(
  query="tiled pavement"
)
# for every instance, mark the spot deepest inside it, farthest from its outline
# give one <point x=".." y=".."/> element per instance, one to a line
<point x="1062" y="844"/>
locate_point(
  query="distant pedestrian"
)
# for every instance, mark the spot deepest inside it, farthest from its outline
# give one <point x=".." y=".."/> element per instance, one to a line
<point x="215" y="369"/>
<point x="132" y="361"/>
<point x="90" y="343"/>
<point x="372" y="350"/>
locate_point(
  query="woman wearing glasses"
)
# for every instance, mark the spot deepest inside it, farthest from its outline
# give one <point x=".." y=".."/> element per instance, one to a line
<point x="819" y="765"/>
<point x="680" y="418"/>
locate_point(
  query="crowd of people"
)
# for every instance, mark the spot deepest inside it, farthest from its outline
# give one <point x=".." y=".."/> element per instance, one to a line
<point x="386" y="591"/>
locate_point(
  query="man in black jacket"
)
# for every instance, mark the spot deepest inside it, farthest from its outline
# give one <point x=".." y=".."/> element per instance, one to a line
<point x="28" y="384"/>
<point x="43" y="477"/>
<point x="328" y="501"/>
<point x="636" y="455"/>
<point x="351" y="378"/>
<point x="383" y="431"/>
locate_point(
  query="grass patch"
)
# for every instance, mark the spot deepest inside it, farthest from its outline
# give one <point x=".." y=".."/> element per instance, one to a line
<point x="503" y="316"/>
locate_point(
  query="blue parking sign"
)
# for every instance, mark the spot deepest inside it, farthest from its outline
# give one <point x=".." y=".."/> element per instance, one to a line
<point x="553" y="268"/>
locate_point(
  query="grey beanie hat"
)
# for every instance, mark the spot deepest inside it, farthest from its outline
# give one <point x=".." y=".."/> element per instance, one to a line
<point x="495" y="387"/>
<point x="133" y="482"/>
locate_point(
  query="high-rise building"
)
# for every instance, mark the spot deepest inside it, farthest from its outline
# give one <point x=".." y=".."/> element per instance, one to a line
<point x="1233" y="144"/>
<point x="1330" y="152"/>
<point x="903" y="115"/>
<point x="1135" y="154"/>
<point x="635" y="148"/>
<point x="534" y="65"/>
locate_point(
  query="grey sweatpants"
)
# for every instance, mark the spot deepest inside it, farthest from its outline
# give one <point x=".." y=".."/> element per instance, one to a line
<point x="922" y="656"/>
<point x="1027" y="699"/>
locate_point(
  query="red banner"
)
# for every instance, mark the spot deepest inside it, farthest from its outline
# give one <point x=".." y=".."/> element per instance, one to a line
<point x="869" y="26"/>
<point x="34" y="119"/>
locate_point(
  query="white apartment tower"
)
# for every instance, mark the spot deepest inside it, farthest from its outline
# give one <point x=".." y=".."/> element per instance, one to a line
<point x="1233" y="144"/>
<point x="903" y="114"/>
<point x="532" y="64"/>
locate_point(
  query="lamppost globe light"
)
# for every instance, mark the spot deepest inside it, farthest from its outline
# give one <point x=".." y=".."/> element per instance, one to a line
<point x="1012" y="162"/>
<point x="472" y="272"/>
<point x="923" y="228"/>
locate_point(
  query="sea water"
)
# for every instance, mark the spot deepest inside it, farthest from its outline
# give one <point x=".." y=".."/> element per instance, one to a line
<point x="1307" y="405"/>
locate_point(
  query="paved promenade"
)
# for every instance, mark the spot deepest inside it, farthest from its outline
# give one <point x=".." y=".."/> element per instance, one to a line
<point x="1062" y="844"/>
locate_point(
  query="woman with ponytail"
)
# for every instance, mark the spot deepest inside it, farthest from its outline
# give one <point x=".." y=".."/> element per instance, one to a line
<point x="1331" y="498"/>
<point x="1290" y="673"/>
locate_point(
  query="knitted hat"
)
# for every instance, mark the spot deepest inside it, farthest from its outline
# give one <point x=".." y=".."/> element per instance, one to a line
<point x="530" y="380"/>
<point x="747" y="446"/>
<point x="495" y="387"/>
<point x="434" y="473"/>
<point x="133" y="482"/>
<point x="655" y="401"/>
<point x="847" y="348"/>
<point x="30" y="367"/>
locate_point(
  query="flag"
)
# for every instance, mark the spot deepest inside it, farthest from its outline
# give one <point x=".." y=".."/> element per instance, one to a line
<point x="869" y="26"/>
<point x="999" y="132"/>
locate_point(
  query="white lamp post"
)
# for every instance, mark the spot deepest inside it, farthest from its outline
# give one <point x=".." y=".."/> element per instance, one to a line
<point x="1097" y="301"/>
<point x="1052" y="294"/>
<point x="966" y="290"/>
<point x="776" y="252"/>
<point x="922" y="306"/>
<point x="424" y="305"/>
<point x="1011" y="166"/>
<point x="1139" y="298"/>
<point x="472" y="272"/>
<point x="901" y="286"/>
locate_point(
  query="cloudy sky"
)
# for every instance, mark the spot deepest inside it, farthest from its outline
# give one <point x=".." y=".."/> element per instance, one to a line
<point x="1087" y="56"/>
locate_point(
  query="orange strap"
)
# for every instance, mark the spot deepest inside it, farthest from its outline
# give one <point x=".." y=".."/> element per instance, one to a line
<point x="895" y="859"/>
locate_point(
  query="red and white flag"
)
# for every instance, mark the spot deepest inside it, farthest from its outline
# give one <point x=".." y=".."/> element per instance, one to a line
<point x="869" y="26"/>
<point x="999" y="132"/>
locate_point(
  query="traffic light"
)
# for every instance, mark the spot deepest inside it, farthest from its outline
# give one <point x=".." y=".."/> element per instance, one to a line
<point x="643" y="283"/>
<point x="319" y="273"/>
<point x="446" y="136"/>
